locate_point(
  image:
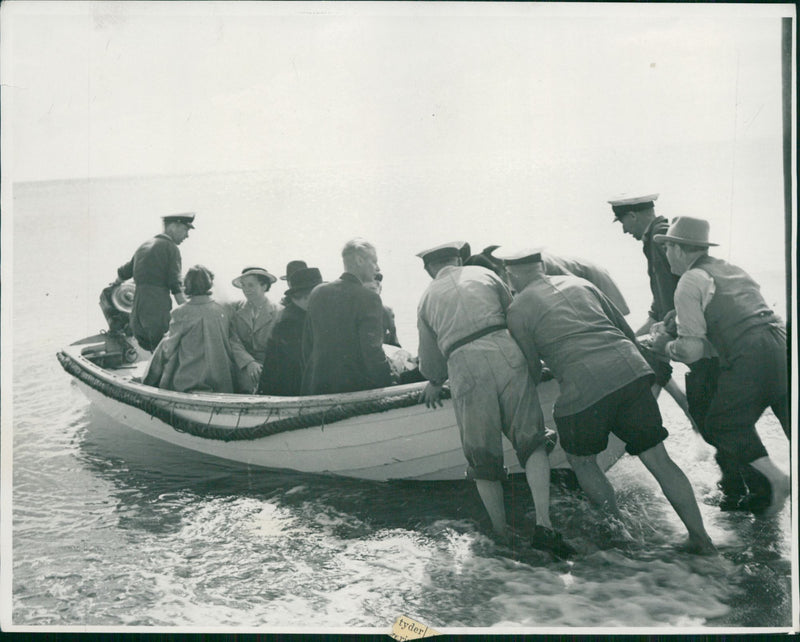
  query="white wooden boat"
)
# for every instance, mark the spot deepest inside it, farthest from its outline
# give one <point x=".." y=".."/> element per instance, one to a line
<point x="381" y="434"/>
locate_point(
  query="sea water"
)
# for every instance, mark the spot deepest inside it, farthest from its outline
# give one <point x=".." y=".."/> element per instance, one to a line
<point x="113" y="529"/>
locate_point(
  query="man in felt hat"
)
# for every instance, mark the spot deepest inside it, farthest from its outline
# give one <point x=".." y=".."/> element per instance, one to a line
<point x="720" y="306"/>
<point x="637" y="215"/>
<point x="282" y="372"/>
<point x="156" y="271"/>
<point x="291" y="266"/>
<point x="605" y="382"/>
<point x="343" y="337"/>
<point x="463" y="337"/>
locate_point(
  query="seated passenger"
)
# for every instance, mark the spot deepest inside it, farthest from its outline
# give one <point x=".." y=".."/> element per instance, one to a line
<point x="195" y="355"/>
<point x="293" y="266"/>
<point x="389" y="327"/>
<point x="252" y="321"/>
<point x="343" y="335"/>
<point x="282" y="373"/>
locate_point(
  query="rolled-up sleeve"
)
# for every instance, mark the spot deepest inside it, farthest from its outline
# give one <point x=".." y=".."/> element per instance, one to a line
<point x="692" y="294"/>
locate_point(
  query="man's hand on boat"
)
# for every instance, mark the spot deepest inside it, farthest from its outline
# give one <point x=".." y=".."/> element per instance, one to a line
<point x="253" y="370"/>
<point x="432" y="394"/>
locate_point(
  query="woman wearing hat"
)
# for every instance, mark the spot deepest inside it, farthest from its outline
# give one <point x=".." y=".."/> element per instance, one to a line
<point x="282" y="373"/>
<point x="252" y="321"/>
<point x="195" y="355"/>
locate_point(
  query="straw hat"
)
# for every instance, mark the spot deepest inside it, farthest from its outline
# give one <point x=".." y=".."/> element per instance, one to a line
<point x="253" y="271"/>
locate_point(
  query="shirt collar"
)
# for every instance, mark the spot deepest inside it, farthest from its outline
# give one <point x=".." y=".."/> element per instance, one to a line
<point x="447" y="269"/>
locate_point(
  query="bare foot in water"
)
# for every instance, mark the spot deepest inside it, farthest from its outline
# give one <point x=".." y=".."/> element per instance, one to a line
<point x="780" y="492"/>
<point x="698" y="546"/>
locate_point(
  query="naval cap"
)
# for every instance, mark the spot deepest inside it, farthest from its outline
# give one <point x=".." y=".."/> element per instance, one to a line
<point x="631" y="202"/>
<point x="517" y="256"/>
<point x="187" y="218"/>
<point x="442" y="252"/>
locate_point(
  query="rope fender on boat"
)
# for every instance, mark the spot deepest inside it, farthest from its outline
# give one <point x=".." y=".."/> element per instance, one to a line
<point x="166" y="414"/>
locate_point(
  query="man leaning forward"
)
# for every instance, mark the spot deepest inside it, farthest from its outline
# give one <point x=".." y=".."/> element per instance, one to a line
<point x="463" y="338"/>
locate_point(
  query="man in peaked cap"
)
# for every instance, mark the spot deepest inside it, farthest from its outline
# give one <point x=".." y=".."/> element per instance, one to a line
<point x="156" y="271"/>
<point x="463" y="338"/>
<point x="604" y="381"/>
<point x="637" y="215"/>
<point x="719" y="305"/>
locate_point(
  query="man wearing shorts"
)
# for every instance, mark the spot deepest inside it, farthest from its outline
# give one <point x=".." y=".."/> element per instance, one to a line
<point x="463" y="338"/>
<point x="604" y="380"/>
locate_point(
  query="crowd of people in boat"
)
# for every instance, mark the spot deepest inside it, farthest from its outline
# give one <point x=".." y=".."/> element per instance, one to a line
<point x="492" y="324"/>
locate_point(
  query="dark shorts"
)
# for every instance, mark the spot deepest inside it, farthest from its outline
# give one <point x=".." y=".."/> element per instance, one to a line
<point x="631" y="413"/>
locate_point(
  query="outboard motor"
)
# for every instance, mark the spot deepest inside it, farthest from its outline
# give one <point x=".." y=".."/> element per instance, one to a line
<point x="116" y="302"/>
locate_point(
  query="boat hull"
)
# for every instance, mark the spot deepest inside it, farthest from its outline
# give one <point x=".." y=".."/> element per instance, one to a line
<point x="377" y="435"/>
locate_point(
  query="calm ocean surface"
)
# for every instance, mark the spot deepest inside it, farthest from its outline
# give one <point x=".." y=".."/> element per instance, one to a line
<point x="113" y="529"/>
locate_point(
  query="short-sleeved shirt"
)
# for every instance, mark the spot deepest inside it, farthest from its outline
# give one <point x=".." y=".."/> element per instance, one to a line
<point x="580" y="335"/>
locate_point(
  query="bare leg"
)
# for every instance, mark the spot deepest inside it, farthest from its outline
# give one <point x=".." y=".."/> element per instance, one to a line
<point x="778" y="481"/>
<point x="491" y="493"/>
<point x="594" y="483"/>
<point x="679" y="492"/>
<point x="537" y="471"/>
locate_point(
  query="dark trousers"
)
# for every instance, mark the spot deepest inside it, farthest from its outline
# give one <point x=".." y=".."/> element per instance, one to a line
<point x="737" y="478"/>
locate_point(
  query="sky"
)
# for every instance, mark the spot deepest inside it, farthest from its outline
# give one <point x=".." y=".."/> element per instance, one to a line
<point x="489" y="117"/>
<point x="121" y="88"/>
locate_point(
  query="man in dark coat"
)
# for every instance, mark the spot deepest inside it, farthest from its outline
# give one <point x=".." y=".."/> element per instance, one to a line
<point x="156" y="271"/>
<point x="343" y="336"/>
<point x="282" y="373"/>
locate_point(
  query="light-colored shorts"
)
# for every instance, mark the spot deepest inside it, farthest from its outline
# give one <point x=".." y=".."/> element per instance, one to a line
<point x="494" y="395"/>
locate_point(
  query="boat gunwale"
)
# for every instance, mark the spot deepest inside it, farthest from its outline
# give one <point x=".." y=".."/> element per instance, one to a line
<point x="233" y="402"/>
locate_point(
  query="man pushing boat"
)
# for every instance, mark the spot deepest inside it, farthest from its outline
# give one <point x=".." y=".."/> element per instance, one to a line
<point x="604" y="380"/>
<point x="463" y="338"/>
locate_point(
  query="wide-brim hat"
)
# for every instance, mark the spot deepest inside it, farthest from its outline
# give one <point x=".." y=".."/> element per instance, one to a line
<point x="122" y="296"/>
<point x="187" y="218"/>
<point x="626" y="203"/>
<point x="292" y="266"/>
<point x="688" y="231"/>
<point x="442" y="252"/>
<point x="303" y="280"/>
<point x="253" y="271"/>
